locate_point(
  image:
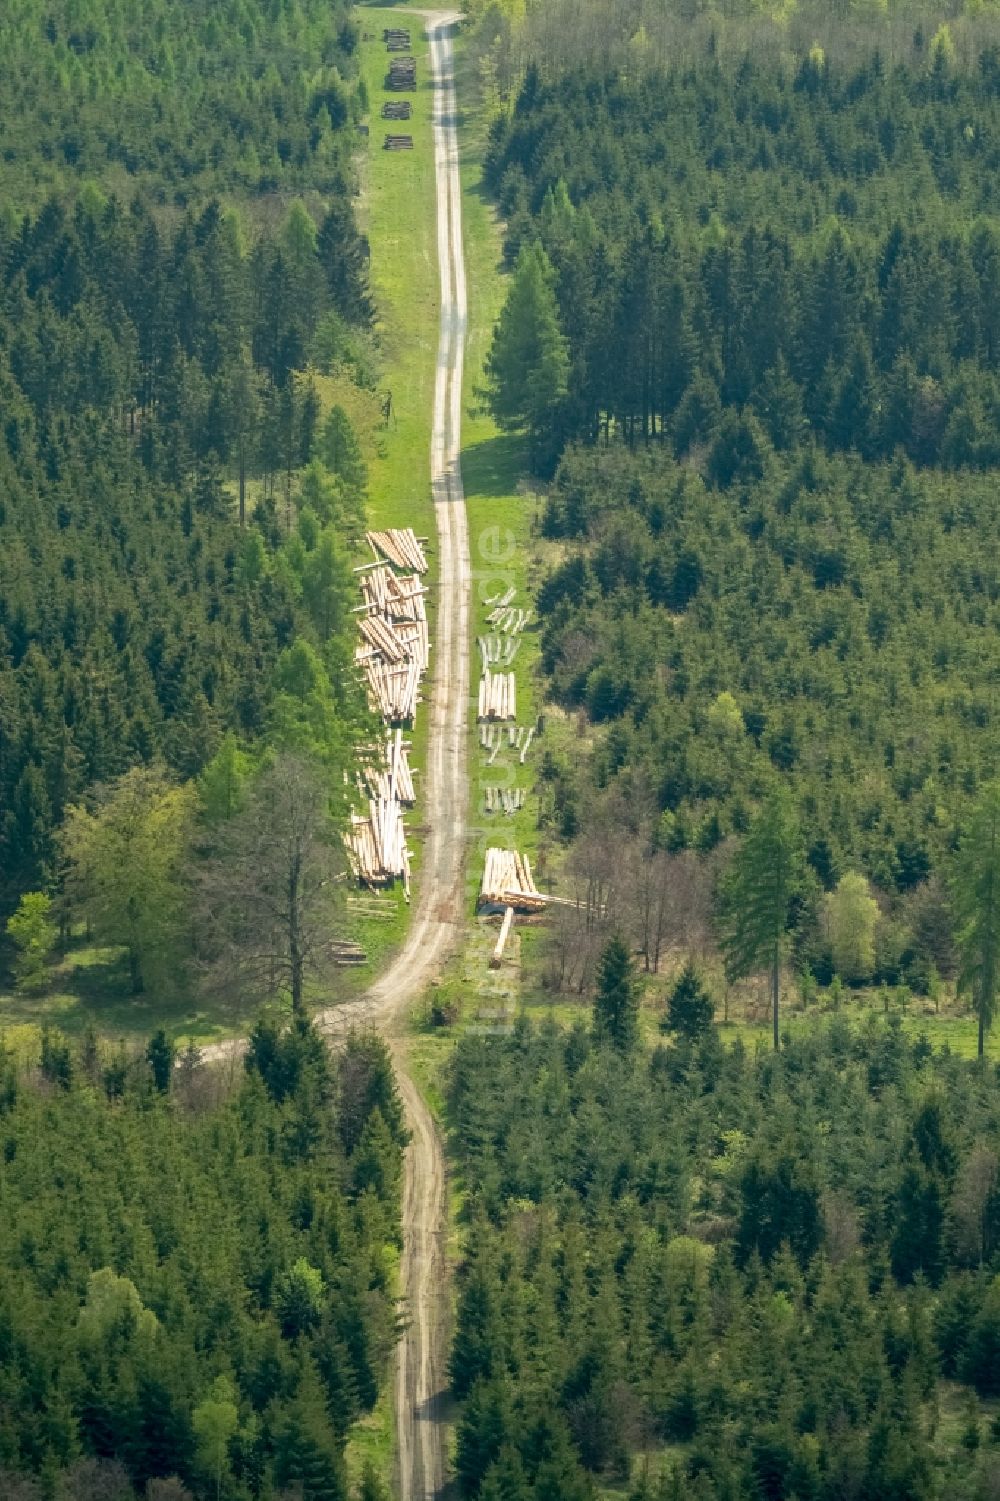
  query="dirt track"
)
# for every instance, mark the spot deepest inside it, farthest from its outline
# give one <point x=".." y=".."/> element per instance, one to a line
<point x="421" y="1374"/>
<point x="435" y="925"/>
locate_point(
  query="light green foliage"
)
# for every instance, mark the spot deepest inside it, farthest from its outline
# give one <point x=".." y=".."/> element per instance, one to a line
<point x="114" y="1311"/>
<point x="725" y="718"/>
<point x="942" y="49"/>
<point x="34" y="936"/>
<point x="305" y="715"/>
<point x="341" y="453"/>
<point x="222" y="785"/>
<point x="127" y="865"/>
<point x="215" y="1421"/>
<point x="299" y="1297"/>
<point x="851" y="915"/>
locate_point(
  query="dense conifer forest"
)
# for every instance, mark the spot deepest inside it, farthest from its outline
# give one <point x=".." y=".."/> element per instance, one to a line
<point x="183" y="101"/>
<point x="774" y="1276"/>
<point x="161" y="288"/>
<point x="196" y="1293"/>
<point x="763" y="373"/>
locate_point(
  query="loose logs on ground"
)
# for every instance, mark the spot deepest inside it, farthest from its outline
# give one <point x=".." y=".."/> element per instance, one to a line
<point x="504" y="800"/>
<point x="496" y="958"/>
<point x="497" y="696"/>
<point x="508" y="882"/>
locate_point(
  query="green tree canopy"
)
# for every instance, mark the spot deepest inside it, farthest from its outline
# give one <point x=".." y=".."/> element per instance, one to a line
<point x="528" y="363"/>
<point x="616" y="1000"/>
<point x="764" y="878"/>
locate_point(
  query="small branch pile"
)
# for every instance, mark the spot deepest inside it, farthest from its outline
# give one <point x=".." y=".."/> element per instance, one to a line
<point x="497" y="696"/>
<point x="508" y="882"/>
<point x="401" y="546"/>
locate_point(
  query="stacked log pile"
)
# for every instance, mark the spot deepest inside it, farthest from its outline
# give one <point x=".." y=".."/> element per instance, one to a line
<point x="389" y="774"/>
<point x="376" y="844"/>
<point x="497" y="696"/>
<point x="396" y="39"/>
<point x="393" y="653"/>
<point x="397" y="109"/>
<point x="508" y="882"/>
<point x="398" y="143"/>
<point x="403" y="75"/>
<point x="400" y="545"/>
<point x="394" y="650"/>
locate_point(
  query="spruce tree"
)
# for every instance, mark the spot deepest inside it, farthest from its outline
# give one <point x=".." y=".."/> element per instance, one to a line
<point x="616" y="1004"/>
<point x="765" y="876"/>
<point x="976" y="898"/>
<point x="528" y="364"/>
<point x="689" y="1006"/>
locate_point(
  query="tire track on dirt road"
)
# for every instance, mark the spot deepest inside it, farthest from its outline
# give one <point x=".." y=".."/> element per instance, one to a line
<point x="436" y="921"/>
<point x="435" y="927"/>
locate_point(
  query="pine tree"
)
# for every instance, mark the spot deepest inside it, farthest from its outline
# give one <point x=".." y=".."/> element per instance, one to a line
<point x="616" y="1004"/>
<point x="528" y="364"/>
<point x="689" y="1006"/>
<point x="160" y="1057"/>
<point x="976" y="899"/>
<point x="765" y="876"/>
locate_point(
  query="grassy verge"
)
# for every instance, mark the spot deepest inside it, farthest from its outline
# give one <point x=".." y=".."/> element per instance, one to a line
<point x="397" y="213"/>
<point x="502" y="507"/>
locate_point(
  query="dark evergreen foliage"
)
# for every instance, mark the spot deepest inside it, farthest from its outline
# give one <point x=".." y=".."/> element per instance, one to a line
<point x="768" y="1263"/>
<point x="151" y="1244"/>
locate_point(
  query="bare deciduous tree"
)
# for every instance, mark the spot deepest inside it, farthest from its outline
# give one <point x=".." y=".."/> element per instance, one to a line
<point x="267" y="895"/>
<point x="668" y="900"/>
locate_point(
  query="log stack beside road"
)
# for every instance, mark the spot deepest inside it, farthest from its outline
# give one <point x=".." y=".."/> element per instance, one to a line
<point x="393" y="653"/>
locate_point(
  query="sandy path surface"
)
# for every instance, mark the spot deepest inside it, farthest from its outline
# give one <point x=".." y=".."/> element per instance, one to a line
<point x="435" y="925"/>
<point x="421" y="1368"/>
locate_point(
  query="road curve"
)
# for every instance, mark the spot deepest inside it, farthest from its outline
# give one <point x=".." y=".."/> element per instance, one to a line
<point x="435" y="926"/>
<point x="436" y="920"/>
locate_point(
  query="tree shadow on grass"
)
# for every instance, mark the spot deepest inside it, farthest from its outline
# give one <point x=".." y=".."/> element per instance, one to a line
<point x="495" y="466"/>
<point x="90" y="987"/>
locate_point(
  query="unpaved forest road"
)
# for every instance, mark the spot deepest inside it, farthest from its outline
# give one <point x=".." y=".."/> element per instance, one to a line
<point x="421" y="1368"/>
<point x="435" y="924"/>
